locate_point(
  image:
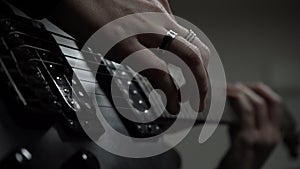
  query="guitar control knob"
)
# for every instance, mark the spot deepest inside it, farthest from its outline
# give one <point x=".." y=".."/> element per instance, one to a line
<point x="82" y="160"/>
<point x="17" y="160"/>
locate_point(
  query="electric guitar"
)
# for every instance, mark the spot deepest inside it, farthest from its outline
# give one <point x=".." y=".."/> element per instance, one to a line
<point x="39" y="106"/>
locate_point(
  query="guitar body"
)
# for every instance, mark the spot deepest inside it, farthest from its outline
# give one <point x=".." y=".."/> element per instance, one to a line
<point x="50" y="152"/>
<point x="34" y="138"/>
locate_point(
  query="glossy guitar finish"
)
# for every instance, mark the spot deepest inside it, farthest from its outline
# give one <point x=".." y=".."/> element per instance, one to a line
<point x="38" y="124"/>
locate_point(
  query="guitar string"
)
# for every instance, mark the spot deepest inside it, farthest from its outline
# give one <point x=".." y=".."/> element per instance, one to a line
<point x="164" y="115"/>
<point x="161" y="107"/>
<point x="83" y="51"/>
<point x="139" y="90"/>
<point x="72" y="49"/>
<point x="106" y="74"/>
<point x="75" y="49"/>
<point x="106" y="96"/>
<point x="79" y="68"/>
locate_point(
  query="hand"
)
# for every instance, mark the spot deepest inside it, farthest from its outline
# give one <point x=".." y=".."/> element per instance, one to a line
<point x="259" y="109"/>
<point x="74" y="15"/>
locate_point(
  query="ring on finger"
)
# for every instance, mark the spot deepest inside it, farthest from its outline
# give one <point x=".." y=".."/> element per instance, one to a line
<point x="168" y="38"/>
<point x="190" y="37"/>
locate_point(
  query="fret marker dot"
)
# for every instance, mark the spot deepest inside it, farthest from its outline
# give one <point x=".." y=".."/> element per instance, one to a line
<point x="123" y="73"/>
<point x="84" y="156"/>
<point x="146" y="111"/>
<point x="19" y="157"/>
<point x="129" y="82"/>
<point x="26" y="153"/>
<point x="80" y="93"/>
<point x="74" y="82"/>
<point x="134" y="92"/>
<point x="125" y="91"/>
<point x="88" y="105"/>
<point x="119" y="81"/>
<point x="140" y="102"/>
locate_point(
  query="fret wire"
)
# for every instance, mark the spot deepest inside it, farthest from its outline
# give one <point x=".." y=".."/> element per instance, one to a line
<point x="124" y="70"/>
<point x="62" y="36"/>
<point x="72" y="48"/>
<point x="59" y="44"/>
<point x="78" y="68"/>
<point x="105" y="74"/>
<point x="76" y="49"/>
<point x="56" y="43"/>
<point x="83" y="51"/>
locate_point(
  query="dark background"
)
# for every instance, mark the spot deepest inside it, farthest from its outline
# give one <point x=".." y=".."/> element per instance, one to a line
<point x="257" y="40"/>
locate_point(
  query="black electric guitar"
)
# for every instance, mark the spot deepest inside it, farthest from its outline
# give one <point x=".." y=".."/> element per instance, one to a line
<point x="39" y="128"/>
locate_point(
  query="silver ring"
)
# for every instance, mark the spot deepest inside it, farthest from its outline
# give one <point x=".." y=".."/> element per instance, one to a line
<point x="190" y="37"/>
<point x="169" y="37"/>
